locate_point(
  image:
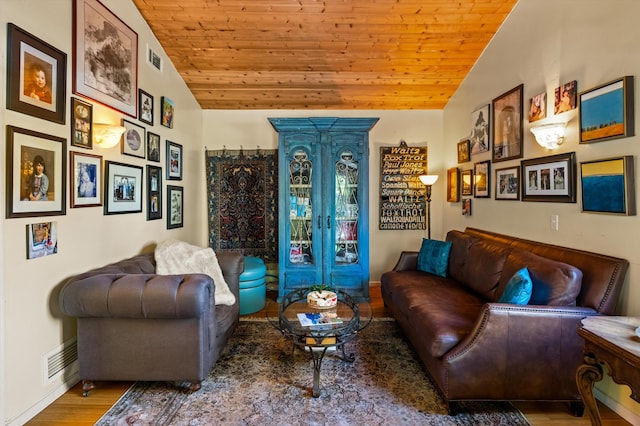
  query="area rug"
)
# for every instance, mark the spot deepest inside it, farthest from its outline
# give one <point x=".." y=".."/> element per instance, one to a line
<point x="242" y="195"/>
<point x="259" y="380"/>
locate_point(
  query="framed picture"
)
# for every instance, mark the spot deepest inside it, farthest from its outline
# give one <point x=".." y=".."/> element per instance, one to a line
<point x="122" y="188"/>
<point x="42" y="239"/>
<point x="36" y="174"/>
<point x="167" y="112"/>
<point x="145" y="107"/>
<point x="174" y="161"/>
<point x="481" y="179"/>
<point x="81" y="124"/>
<point x="565" y="97"/>
<point x="480" y="130"/>
<point x="538" y="107"/>
<point x="153" y="147"/>
<point x="133" y="139"/>
<point x="464" y="151"/>
<point x="154" y="192"/>
<point x="508" y="183"/>
<point x="466" y="207"/>
<point x="606" y="112"/>
<point x="36" y="76"/>
<point x="507" y="125"/>
<point x="175" y="206"/>
<point x="466" y="182"/>
<point x="453" y="185"/>
<point x="105" y="68"/>
<point x="608" y="186"/>
<point x="551" y="178"/>
<point x="86" y="180"/>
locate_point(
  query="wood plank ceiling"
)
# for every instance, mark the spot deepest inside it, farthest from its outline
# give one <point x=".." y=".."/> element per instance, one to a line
<point x="324" y="54"/>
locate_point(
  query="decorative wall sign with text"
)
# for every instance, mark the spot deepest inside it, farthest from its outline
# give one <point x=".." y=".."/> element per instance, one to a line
<point x="402" y="195"/>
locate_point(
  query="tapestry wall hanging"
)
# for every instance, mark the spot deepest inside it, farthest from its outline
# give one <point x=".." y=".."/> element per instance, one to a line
<point x="242" y="187"/>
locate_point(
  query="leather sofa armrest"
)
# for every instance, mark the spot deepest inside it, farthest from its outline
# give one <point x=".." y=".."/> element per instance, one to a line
<point x="408" y="261"/>
<point x="232" y="265"/>
<point x="137" y="296"/>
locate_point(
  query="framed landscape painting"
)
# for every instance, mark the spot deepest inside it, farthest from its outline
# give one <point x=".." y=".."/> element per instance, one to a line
<point x="608" y="186"/>
<point x="105" y="54"/>
<point x="606" y="112"/>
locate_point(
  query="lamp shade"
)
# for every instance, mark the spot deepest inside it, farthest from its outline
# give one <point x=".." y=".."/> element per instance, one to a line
<point x="107" y="135"/>
<point x="428" y="179"/>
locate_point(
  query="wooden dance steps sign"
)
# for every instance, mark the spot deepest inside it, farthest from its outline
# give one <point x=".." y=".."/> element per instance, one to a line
<point x="402" y="194"/>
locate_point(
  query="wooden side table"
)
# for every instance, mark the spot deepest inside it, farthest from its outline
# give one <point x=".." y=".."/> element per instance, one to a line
<point x="610" y="341"/>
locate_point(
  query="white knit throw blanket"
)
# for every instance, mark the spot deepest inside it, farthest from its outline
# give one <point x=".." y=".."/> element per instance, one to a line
<point x="177" y="257"/>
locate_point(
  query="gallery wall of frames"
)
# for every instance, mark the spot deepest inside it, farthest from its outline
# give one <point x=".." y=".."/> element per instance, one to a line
<point x="43" y="171"/>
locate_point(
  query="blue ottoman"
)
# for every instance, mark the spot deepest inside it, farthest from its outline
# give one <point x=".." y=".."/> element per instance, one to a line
<point x="253" y="287"/>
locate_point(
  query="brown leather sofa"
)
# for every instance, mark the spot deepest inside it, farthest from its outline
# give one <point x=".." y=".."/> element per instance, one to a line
<point x="136" y="325"/>
<point x="477" y="349"/>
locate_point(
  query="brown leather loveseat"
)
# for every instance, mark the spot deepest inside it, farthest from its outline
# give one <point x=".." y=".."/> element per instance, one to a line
<point x="475" y="348"/>
<point x="136" y="325"/>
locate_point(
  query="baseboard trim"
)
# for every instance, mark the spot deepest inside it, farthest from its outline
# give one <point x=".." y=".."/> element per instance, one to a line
<point x="620" y="409"/>
<point x="45" y="402"/>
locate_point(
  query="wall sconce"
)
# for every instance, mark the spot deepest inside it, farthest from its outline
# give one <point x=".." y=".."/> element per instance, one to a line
<point x="428" y="181"/>
<point x="549" y="136"/>
<point x="107" y="135"/>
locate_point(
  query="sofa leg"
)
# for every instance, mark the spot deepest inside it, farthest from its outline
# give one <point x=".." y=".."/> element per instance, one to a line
<point x="195" y="386"/>
<point x="87" y="386"/>
<point x="577" y="408"/>
<point x="453" y="408"/>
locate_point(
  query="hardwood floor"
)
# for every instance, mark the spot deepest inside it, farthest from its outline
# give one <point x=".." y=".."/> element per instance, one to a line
<point x="73" y="409"/>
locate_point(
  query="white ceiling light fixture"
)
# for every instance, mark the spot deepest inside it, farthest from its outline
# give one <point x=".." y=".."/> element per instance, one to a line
<point x="549" y="136"/>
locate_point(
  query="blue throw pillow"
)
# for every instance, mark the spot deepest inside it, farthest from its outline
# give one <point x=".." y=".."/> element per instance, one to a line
<point x="518" y="289"/>
<point x="434" y="257"/>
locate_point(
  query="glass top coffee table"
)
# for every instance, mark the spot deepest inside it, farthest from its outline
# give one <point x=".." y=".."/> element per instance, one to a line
<point x="319" y="338"/>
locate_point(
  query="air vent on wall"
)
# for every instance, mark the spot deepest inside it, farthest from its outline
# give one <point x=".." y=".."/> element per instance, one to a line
<point x="60" y="358"/>
<point x="154" y="59"/>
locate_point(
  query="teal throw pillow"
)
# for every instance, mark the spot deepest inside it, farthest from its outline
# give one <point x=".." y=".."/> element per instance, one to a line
<point x="434" y="256"/>
<point x="518" y="289"/>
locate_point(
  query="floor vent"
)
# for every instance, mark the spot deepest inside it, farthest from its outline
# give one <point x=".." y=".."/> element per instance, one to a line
<point x="60" y="358"/>
<point x="154" y="59"/>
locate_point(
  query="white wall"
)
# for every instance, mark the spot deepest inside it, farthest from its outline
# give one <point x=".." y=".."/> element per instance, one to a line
<point x="31" y="322"/>
<point x="251" y="129"/>
<point x="545" y="43"/>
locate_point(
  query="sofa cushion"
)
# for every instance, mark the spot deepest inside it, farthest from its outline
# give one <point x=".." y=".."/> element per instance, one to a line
<point x="518" y="289"/>
<point x="461" y="242"/>
<point x="554" y="283"/>
<point x="434" y="257"/>
<point x="483" y="268"/>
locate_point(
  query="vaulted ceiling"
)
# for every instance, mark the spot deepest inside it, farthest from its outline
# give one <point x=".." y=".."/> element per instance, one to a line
<point x="331" y="54"/>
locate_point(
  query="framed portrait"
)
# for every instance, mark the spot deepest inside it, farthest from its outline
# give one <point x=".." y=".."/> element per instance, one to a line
<point x="105" y="68"/>
<point x="153" y="147"/>
<point x="42" y="239"/>
<point x="453" y="185"/>
<point x="466" y="182"/>
<point x="174" y="161"/>
<point x="81" y="124"/>
<point x="175" y="207"/>
<point x="480" y="130"/>
<point x="606" y="111"/>
<point x="565" y="97"/>
<point x="145" y="107"/>
<point x="538" y="107"/>
<point x="608" y="186"/>
<point x="154" y="192"/>
<point x="506" y="127"/>
<point x="167" y="112"/>
<point x="133" y="139"/>
<point x="551" y="178"/>
<point x="481" y="179"/>
<point x="36" y="76"/>
<point x="122" y="188"/>
<point x="508" y="183"/>
<point x="464" y="151"/>
<point x="466" y="207"/>
<point x="86" y="180"/>
<point x="36" y="174"/>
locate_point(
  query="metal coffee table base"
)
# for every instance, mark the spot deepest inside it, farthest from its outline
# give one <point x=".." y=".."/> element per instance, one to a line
<point x="318" y="353"/>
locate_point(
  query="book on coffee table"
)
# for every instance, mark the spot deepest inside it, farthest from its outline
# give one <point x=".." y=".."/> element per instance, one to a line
<point x="319" y="318"/>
